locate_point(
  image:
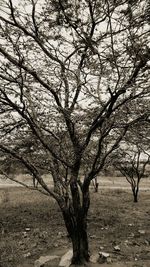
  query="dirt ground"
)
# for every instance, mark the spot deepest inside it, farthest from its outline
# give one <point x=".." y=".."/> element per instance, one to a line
<point x="31" y="225"/>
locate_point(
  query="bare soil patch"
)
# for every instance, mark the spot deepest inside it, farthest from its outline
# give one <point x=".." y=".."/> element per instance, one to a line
<point x="31" y="225"/>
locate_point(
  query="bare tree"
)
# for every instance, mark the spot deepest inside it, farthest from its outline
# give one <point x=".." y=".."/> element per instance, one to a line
<point x="132" y="163"/>
<point x="95" y="184"/>
<point x="67" y="70"/>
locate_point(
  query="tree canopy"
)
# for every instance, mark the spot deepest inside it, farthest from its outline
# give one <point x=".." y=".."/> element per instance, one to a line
<point x="69" y="72"/>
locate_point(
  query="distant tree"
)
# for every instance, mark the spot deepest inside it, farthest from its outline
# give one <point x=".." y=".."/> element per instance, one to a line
<point x="133" y="167"/>
<point x="133" y="157"/>
<point x="68" y="70"/>
<point x="95" y="184"/>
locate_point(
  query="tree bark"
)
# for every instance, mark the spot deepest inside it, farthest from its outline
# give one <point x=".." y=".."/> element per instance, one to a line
<point x="96" y="187"/>
<point x="135" y="194"/>
<point x="76" y="225"/>
<point x="80" y="242"/>
<point x="135" y="199"/>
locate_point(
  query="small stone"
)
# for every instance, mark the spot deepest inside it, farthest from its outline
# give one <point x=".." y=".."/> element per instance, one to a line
<point x="27" y="229"/>
<point x="24" y="234"/>
<point x="109" y="260"/>
<point x="49" y="261"/>
<point x="142" y="232"/>
<point x="101" y="248"/>
<point x="117" y="248"/>
<point x="94" y="258"/>
<point x="66" y="259"/>
<point x="104" y="254"/>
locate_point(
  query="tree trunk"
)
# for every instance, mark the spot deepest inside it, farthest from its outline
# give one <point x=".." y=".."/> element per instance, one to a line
<point x="95" y="184"/>
<point x="75" y="213"/>
<point x="80" y="243"/>
<point x="135" y="198"/>
<point x="96" y="187"/>
<point x="77" y="229"/>
<point x="135" y="194"/>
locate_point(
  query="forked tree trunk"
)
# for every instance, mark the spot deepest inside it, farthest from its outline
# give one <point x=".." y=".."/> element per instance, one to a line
<point x="75" y="212"/>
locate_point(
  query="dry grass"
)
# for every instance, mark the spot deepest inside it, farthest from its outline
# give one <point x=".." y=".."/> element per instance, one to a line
<point x="113" y="220"/>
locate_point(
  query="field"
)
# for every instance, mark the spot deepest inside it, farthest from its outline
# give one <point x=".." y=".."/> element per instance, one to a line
<point x="31" y="225"/>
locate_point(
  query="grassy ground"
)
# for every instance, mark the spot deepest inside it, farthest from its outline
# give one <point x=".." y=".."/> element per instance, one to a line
<point x="31" y="225"/>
